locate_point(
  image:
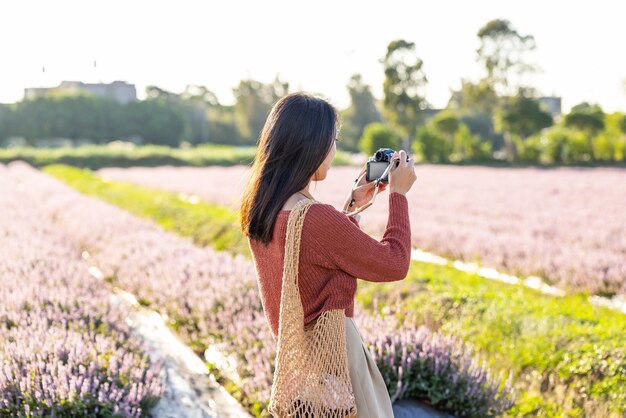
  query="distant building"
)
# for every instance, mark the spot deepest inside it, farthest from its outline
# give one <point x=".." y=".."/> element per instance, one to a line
<point x="120" y="91"/>
<point x="551" y="104"/>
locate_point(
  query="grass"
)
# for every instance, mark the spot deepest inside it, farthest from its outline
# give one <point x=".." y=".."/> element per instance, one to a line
<point x="567" y="355"/>
<point x="111" y="155"/>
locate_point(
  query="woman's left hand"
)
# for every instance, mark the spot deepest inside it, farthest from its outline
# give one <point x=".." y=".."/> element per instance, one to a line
<point x="364" y="191"/>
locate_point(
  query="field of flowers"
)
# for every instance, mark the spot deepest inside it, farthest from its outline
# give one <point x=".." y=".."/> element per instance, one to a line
<point x="211" y="299"/>
<point x="566" y="354"/>
<point x="565" y="225"/>
<point x="65" y="349"/>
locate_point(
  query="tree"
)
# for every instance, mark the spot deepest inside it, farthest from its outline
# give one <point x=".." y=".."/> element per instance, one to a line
<point x="501" y="52"/>
<point x="468" y="146"/>
<point x="74" y="115"/>
<point x="362" y="111"/>
<point x="195" y="102"/>
<point x="587" y="118"/>
<point x="376" y="135"/>
<point x="473" y="97"/>
<point x="6" y="122"/>
<point x="523" y="116"/>
<point x="608" y="144"/>
<point x="201" y="94"/>
<point x="446" y="138"/>
<point x="519" y="117"/>
<point x="403" y="87"/>
<point x="154" y="92"/>
<point x="223" y="127"/>
<point x="192" y="105"/>
<point x="475" y="104"/>
<point x="253" y="102"/>
<point x="431" y="145"/>
<point x="157" y="121"/>
<point x="446" y="122"/>
<point x="565" y="145"/>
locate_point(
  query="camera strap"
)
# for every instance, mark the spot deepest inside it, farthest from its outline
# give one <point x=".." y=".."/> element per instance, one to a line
<point x="350" y="197"/>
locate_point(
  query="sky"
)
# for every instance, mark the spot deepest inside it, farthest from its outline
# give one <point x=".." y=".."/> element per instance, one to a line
<point x="315" y="46"/>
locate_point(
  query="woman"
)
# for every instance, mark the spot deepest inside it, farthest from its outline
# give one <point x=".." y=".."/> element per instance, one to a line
<point x="297" y="146"/>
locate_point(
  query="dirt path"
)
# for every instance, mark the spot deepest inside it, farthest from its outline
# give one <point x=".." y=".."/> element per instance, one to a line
<point x="191" y="391"/>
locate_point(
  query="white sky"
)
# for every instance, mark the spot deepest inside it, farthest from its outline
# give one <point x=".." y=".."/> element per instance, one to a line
<point x="315" y="46"/>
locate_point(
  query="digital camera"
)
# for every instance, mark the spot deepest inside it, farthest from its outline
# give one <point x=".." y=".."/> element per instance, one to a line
<point x="378" y="163"/>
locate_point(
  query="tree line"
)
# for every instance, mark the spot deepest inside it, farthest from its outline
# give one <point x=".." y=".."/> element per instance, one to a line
<point x="498" y="117"/>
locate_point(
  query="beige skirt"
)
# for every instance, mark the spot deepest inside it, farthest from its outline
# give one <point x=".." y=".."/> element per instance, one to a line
<point x="370" y="391"/>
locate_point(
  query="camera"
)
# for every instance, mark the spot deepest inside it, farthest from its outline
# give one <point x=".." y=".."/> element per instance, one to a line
<point x="378" y="163"/>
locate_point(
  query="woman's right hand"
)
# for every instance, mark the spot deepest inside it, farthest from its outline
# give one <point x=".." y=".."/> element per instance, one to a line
<point x="402" y="177"/>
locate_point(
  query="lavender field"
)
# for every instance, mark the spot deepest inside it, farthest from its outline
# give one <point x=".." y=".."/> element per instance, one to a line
<point x="565" y="225"/>
<point x="64" y="343"/>
<point x="211" y="299"/>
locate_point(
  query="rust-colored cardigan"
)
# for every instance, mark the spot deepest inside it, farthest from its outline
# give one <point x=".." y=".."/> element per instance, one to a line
<point x="334" y="252"/>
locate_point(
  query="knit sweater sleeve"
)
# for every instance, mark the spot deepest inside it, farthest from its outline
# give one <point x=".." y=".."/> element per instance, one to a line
<point x="355" y="220"/>
<point x="348" y="248"/>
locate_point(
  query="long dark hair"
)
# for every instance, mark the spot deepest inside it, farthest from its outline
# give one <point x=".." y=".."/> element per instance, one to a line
<point x="296" y="138"/>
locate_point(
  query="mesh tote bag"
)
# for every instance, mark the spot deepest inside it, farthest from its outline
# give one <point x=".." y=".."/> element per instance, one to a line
<point x="311" y="377"/>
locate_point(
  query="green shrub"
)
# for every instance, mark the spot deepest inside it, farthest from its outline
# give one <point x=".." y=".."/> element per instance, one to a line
<point x="376" y="135"/>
